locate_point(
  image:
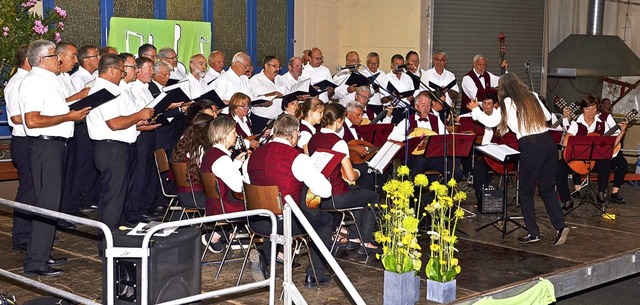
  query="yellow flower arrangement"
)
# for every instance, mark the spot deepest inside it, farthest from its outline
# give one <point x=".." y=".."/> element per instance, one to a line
<point x="445" y="212"/>
<point x="399" y="223"/>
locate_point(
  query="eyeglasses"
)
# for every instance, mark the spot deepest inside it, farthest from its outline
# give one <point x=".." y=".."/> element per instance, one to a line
<point x="172" y="58"/>
<point x="132" y="67"/>
<point x="155" y="56"/>
<point x="51" y="55"/>
<point x="275" y="66"/>
<point x="364" y="96"/>
<point x="244" y="106"/>
<point x="439" y="59"/>
<point x="90" y="56"/>
<point x="121" y="70"/>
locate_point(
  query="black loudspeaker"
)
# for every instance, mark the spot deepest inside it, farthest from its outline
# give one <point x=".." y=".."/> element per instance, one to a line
<point x="174" y="268"/>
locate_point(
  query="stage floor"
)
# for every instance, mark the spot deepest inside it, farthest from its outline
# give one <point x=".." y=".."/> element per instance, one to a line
<point x="489" y="266"/>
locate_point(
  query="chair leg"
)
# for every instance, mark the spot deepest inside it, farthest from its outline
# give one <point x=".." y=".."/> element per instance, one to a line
<point x="355" y="224"/>
<point x="337" y="236"/>
<point x="246" y="257"/>
<point x="226" y="252"/>
<point x="172" y="202"/>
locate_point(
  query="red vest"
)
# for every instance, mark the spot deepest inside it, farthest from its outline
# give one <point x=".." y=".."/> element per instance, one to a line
<point x="433" y="121"/>
<point x="482" y="90"/>
<point x="270" y="164"/>
<point x="347" y="134"/>
<point x="230" y="204"/>
<point x="327" y="141"/>
<point x="239" y="129"/>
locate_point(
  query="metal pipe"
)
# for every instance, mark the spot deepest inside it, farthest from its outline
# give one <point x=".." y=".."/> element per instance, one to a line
<point x="596" y="16"/>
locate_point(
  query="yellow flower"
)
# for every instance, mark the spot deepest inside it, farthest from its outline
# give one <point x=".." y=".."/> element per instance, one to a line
<point x="459" y="213"/>
<point x="403" y="170"/>
<point x="454" y="261"/>
<point x="452" y="182"/>
<point x="377" y="255"/>
<point x="421" y="180"/>
<point x="434" y="247"/>
<point x="460" y="196"/>
<point x="410" y="224"/>
<point x="458" y="269"/>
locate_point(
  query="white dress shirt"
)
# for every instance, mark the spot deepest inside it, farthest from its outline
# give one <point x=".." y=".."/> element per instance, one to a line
<point x="211" y="76"/>
<point x="122" y="105"/>
<point x="229" y="83"/>
<point x="375" y="97"/>
<point x="469" y="86"/>
<point x="305" y="136"/>
<point x="11" y="91"/>
<point x="141" y="93"/>
<point x="340" y="146"/>
<point x="65" y="82"/>
<point x="317" y="75"/>
<point x="261" y="85"/>
<point x="179" y="72"/>
<point x="286" y="81"/>
<point x="193" y="87"/>
<point x="402" y="84"/>
<point x="398" y="133"/>
<point x="81" y="78"/>
<point x="441" y="80"/>
<point x="40" y="91"/>
<point x="228" y="170"/>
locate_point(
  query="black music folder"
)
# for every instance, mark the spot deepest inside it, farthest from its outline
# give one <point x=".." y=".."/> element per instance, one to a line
<point x="415" y="79"/>
<point x="442" y="89"/>
<point x="94" y="100"/>
<point x="172" y="81"/>
<point x="358" y="80"/>
<point x="212" y="96"/>
<point x="323" y="85"/>
<point x="391" y="88"/>
<point x="164" y="100"/>
<point x="259" y="100"/>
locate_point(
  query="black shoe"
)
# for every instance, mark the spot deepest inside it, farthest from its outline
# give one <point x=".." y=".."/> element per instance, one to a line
<point x="66" y="224"/>
<point x="294" y="265"/>
<point x="528" y="239"/>
<point x="310" y="281"/>
<point x="258" y="266"/>
<point x="56" y="261"/>
<point x="601" y="198"/>
<point x="351" y="245"/>
<point x="20" y="248"/>
<point x="561" y="237"/>
<point x="149" y="217"/>
<point x="567" y="205"/>
<point x="44" y="271"/>
<point x="617" y="198"/>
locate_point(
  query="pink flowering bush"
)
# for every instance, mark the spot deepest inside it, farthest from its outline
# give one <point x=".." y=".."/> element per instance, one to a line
<point x="21" y="26"/>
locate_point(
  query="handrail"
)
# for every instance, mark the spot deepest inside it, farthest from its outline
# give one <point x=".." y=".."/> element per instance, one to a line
<point x="290" y="207"/>
<point x="49" y="213"/>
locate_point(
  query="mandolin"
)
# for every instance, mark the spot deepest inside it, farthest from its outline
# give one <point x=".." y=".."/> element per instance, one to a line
<point x="582" y="166"/>
<point x="423" y="134"/>
<point x="355" y="148"/>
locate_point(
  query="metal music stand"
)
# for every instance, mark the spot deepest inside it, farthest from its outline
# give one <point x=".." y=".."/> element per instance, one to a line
<point x="505" y="218"/>
<point x="589" y="148"/>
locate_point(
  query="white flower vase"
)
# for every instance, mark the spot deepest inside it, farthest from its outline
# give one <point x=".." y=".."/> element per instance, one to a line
<point x="441" y="292"/>
<point x="401" y="288"/>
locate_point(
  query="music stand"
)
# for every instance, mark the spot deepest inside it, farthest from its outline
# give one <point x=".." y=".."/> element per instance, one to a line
<point x="375" y="134"/>
<point x="589" y="148"/>
<point x="506" y="159"/>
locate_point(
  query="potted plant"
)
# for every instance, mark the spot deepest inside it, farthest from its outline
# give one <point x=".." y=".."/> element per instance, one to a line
<point x="443" y="266"/>
<point x="398" y="231"/>
<point x="21" y="26"/>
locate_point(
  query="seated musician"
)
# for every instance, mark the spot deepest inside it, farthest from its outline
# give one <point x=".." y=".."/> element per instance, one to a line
<point x="292" y="108"/>
<point x="190" y="149"/>
<point x="362" y="96"/>
<point x="239" y="106"/>
<point x="312" y="110"/>
<point x="587" y="123"/>
<point x="425" y="119"/>
<point x="344" y="195"/>
<point x="279" y="163"/>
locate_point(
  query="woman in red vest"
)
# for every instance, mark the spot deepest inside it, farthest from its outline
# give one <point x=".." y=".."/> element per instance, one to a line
<point x="344" y="195"/>
<point x="312" y="110"/>
<point x="239" y="106"/>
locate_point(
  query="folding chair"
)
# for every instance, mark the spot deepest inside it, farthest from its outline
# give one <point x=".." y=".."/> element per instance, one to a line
<point x="347" y="218"/>
<point x="182" y="180"/>
<point x="269" y="198"/>
<point x="162" y="167"/>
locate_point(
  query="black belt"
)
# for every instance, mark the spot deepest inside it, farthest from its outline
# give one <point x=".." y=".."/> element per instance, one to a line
<point x="52" y="138"/>
<point x="115" y="141"/>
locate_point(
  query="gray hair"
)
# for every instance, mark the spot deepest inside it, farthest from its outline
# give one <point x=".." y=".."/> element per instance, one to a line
<point x="285" y="126"/>
<point x="240" y="56"/>
<point x="160" y="65"/>
<point x="164" y="53"/>
<point x="353" y="105"/>
<point x="443" y="53"/>
<point x="37" y="50"/>
<point x="361" y="89"/>
<point x="478" y="57"/>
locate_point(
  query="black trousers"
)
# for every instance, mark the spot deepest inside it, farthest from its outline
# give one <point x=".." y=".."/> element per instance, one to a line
<point x="538" y="161"/>
<point x="420" y="164"/>
<point x="47" y="164"/>
<point x="320" y="221"/>
<point x="365" y="218"/>
<point x="81" y="174"/>
<point x="140" y="196"/>
<point x="22" y="220"/>
<point x="112" y="161"/>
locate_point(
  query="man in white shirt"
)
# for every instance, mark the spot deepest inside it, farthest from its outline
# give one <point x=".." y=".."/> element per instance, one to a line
<point x="49" y="124"/>
<point x="112" y="127"/>
<point x="401" y="82"/>
<point x="344" y="93"/>
<point x="317" y="73"/>
<point x="194" y="84"/>
<point x="216" y="67"/>
<point x="373" y="65"/>
<point x="234" y="80"/>
<point x="19" y="152"/>
<point x="292" y="77"/>
<point x="169" y="55"/>
<point x="477" y="82"/>
<point x="264" y="84"/>
<point x="441" y="77"/>
<point x="88" y="58"/>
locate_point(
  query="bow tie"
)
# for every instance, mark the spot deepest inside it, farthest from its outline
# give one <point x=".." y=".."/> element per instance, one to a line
<point x="423" y="120"/>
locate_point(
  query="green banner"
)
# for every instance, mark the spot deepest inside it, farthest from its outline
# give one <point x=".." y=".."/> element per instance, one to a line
<point x="185" y="37"/>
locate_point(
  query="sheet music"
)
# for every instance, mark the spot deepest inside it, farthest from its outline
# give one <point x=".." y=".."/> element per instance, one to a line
<point x="497" y="151"/>
<point x="384" y="156"/>
<point x="301" y="86"/>
<point x="176" y="85"/>
<point x="320" y="159"/>
<point x="156" y="100"/>
<point x="142" y="228"/>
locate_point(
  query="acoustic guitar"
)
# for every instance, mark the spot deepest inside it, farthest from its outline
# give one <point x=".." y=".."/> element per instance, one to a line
<point x="573" y="109"/>
<point x="582" y="166"/>
<point x="356" y="146"/>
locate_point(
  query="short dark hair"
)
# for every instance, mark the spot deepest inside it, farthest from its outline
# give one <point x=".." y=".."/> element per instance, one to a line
<point x="108" y="61"/>
<point x="22" y="54"/>
<point x="84" y="52"/>
<point x="145" y="48"/>
<point x="396" y="56"/>
<point x="140" y="61"/>
<point x="332" y="112"/>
